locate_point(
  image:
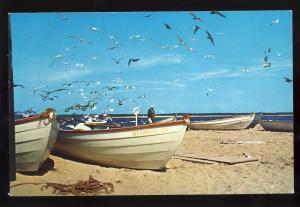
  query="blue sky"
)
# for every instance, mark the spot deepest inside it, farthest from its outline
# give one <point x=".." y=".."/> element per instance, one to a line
<point x="50" y="49"/>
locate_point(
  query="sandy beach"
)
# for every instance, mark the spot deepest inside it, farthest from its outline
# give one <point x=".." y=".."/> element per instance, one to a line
<point x="272" y="173"/>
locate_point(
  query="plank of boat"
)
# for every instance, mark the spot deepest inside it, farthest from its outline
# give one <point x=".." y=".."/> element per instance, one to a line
<point x="233" y="123"/>
<point x="34" y="139"/>
<point x="278" y="126"/>
<point x="140" y="147"/>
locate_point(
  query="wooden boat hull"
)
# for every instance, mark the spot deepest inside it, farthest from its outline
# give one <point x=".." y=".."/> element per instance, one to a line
<point x="141" y="147"/>
<point x="233" y="123"/>
<point x="34" y="141"/>
<point x="277" y="126"/>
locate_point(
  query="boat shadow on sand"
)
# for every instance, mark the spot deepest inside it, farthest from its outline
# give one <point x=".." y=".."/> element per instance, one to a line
<point x="67" y="157"/>
<point x="47" y="166"/>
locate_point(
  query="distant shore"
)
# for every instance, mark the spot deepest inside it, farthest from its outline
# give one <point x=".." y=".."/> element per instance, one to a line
<point x="272" y="173"/>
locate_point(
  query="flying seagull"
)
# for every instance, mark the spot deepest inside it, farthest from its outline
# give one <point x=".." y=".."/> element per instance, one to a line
<point x="19" y="85"/>
<point x="112" y="48"/>
<point x="196" y="28"/>
<point x="210" y="38"/>
<point x="268" y="50"/>
<point x="117" y="61"/>
<point x="120" y="102"/>
<point x="111" y="88"/>
<point x="56" y="58"/>
<point x="132" y="60"/>
<point x="195" y="17"/>
<point x="69" y="84"/>
<point x="56" y="90"/>
<point x="80" y="39"/>
<point x="64" y="18"/>
<point x="276" y="21"/>
<point x="218" y="13"/>
<point x="93" y="29"/>
<point x="167" y="26"/>
<point x="288" y="80"/>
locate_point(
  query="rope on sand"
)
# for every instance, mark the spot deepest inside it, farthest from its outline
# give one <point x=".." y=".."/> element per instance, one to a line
<point x="90" y="187"/>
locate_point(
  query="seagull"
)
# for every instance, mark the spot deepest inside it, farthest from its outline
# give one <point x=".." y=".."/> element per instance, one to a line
<point x="276" y="21"/>
<point x="93" y="29"/>
<point x="209" y="89"/>
<point x="209" y="57"/>
<point x="210" y="37"/>
<point x="19" y="85"/>
<point x="167" y="26"/>
<point x="111" y="88"/>
<point x="218" y="13"/>
<point x="132" y="60"/>
<point x="288" y="80"/>
<point x="129" y="87"/>
<point x="52" y="98"/>
<point x="245" y="70"/>
<point x="69" y="84"/>
<point x="56" y="57"/>
<point x="80" y="39"/>
<point x="37" y="88"/>
<point x="181" y="41"/>
<point x="120" y="102"/>
<point x="112" y="48"/>
<point x="64" y="18"/>
<point x="147" y="16"/>
<point x="143" y="96"/>
<point x="195" y="17"/>
<point x="56" y="90"/>
<point x="267" y="65"/>
<point x="117" y="61"/>
<point x="268" y="50"/>
<point x="196" y="28"/>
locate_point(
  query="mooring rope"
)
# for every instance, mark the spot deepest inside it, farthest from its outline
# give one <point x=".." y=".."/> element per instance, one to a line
<point x="90" y="187"/>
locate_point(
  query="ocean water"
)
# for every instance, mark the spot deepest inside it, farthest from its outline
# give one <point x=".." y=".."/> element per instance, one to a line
<point x="129" y="120"/>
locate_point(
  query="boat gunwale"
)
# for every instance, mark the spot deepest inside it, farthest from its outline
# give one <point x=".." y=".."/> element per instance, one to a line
<point x="29" y="119"/>
<point x="124" y="129"/>
<point x="41" y="116"/>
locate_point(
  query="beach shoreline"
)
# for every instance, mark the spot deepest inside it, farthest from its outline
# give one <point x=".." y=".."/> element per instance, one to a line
<point x="271" y="173"/>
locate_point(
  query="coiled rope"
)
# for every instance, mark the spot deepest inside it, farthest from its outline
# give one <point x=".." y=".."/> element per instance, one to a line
<point x="90" y="187"/>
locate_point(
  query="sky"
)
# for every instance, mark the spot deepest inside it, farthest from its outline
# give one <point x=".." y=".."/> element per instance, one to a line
<point x="191" y="76"/>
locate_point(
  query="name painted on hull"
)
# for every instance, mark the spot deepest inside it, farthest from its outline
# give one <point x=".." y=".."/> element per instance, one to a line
<point x="147" y="132"/>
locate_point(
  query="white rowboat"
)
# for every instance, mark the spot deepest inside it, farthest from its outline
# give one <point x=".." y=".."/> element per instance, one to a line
<point x="232" y="123"/>
<point x="138" y="147"/>
<point x="34" y="139"/>
<point x="277" y="126"/>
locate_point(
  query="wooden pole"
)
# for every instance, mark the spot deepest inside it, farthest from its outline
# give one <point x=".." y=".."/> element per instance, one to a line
<point x="12" y="150"/>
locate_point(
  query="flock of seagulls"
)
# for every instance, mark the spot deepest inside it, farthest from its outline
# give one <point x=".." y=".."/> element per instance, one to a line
<point x="91" y="97"/>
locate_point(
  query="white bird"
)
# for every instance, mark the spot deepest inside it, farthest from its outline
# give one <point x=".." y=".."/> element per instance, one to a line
<point x="79" y="65"/>
<point x="209" y="89"/>
<point x="209" y="57"/>
<point x="245" y="70"/>
<point x="93" y="29"/>
<point x="56" y="58"/>
<point x="276" y="21"/>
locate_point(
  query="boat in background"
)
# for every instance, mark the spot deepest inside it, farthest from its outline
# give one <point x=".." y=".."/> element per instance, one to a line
<point x="257" y="118"/>
<point x="35" y="137"/>
<point x="277" y="126"/>
<point x="139" y="147"/>
<point x="174" y="118"/>
<point x="232" y="123"/>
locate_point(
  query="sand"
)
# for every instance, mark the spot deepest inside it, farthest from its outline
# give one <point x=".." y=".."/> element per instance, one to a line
<point x="272" y="173"/>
